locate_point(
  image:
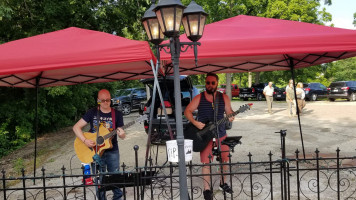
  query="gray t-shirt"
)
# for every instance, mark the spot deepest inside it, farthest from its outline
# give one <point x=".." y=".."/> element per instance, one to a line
<point x="290" y="92"/>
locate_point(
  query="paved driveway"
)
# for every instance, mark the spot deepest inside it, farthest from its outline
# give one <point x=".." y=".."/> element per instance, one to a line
<point x="325" y="125"/>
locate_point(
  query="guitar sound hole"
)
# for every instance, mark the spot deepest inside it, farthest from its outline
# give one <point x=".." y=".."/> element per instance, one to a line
<point x="100" y="140"/>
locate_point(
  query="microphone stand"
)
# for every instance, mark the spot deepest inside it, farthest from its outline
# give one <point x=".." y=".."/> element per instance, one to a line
<point x="217" y="151"/>
<point x="96" y="157"/>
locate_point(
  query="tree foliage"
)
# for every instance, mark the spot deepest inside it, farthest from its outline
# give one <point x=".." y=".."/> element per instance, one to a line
<point x="342" y="70"/>
<point x="20" y="19"/>
<point x="58" y="106"/>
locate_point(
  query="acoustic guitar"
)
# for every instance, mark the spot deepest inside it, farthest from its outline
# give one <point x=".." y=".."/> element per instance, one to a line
<point x="85" y="154"/>
<point x="202" y="137"/>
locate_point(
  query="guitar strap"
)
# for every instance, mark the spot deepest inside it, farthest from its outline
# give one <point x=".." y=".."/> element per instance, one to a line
<point x="98" y="119"/>
<point x="98" y="122"/>
<point x="113" y="119"/>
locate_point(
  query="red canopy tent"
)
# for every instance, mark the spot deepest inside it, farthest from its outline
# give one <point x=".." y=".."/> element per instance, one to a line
<point x="252" y="44"/>
<point x="71" y="56"/>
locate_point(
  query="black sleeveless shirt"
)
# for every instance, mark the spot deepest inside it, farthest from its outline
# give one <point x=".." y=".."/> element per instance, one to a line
<point x="206" y="111"/>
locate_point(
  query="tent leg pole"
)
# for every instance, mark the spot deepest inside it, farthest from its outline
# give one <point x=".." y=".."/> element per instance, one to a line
<point x="291" y="63"/>
<point x="153" y="99"/>
<point x="156" y="88"/>
<point x="36" y="129"/>
<point x="156" y="83"/>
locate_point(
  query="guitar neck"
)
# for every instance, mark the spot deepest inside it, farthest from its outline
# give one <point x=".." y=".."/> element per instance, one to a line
<point x="223" y="120"/>
<point x="112" y="133"/>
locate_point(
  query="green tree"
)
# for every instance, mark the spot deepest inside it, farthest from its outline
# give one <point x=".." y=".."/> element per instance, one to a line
<point x="58" y="106"/>
<point x="342" y="70"/>
<point x="20" y="19"/>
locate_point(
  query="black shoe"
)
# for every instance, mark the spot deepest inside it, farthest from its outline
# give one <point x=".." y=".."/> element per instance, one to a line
<point x="208" y="195"/>
<point x="226" y="188"/>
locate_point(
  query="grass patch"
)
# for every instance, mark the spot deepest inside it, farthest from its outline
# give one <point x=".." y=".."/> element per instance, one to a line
<point x="19" y="164"/>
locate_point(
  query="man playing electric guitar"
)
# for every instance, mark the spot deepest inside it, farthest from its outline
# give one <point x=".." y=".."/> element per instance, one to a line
<point x="110" y="158"/>
<point x="204" y="102"/>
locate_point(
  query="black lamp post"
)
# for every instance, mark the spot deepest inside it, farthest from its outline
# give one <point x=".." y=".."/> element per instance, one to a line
<point x="170" y="14"/>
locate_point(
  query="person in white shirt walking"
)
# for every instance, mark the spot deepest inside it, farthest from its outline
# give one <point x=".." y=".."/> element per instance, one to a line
<point x="268" y="92"/>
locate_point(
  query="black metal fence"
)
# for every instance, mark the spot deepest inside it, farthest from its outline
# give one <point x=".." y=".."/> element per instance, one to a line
<point x="286" y="178"/>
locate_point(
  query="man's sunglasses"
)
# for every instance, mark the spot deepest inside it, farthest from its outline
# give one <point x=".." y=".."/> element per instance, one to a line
<point x="208" y="82"/>
<point x="105" y="100"/>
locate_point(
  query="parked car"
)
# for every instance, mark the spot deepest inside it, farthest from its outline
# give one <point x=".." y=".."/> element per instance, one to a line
<point x="128" y="99"/>
<point x="314" y="90"/>
<point x="342" y="90"/>
<point x="279" y="94"/>
<point x="256" y="91"/>
<point x="235" y="91"/>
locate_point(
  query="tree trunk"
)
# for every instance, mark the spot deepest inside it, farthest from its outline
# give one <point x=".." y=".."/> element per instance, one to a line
<point x="250" y="79"/>
<point x="148" y="92"/>
<point x="228" y="85"/>
<point x="257" y="77"/>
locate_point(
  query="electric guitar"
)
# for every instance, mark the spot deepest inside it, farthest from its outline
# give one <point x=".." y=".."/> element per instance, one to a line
<point x="85" y="153"/>
<point x="202" y="137"/>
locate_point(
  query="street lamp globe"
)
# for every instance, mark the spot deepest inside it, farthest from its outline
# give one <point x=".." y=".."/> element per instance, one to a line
<point x="169" y="14"/>
<point x="194" y="21"/>
<point x="152" y="27"/>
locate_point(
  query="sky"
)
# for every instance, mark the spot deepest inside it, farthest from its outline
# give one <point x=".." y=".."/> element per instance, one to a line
<point x="342" y="13"/>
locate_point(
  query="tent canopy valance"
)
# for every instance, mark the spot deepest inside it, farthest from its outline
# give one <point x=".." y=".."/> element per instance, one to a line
<point x="252" y="44"/>
<point x="72" y="56"/>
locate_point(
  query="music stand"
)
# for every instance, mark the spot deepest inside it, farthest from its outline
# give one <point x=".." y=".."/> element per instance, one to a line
<point x="232" y="141"/>
<point x="113" y="180"/>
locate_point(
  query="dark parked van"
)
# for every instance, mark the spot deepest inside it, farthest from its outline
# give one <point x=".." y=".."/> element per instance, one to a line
<point x="342" y="90"/>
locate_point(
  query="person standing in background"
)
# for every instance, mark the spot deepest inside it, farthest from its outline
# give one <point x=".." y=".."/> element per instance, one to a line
<point x="290" y="98"/>
<point x="268" y="92"/>
<point x="300" y="97"/>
